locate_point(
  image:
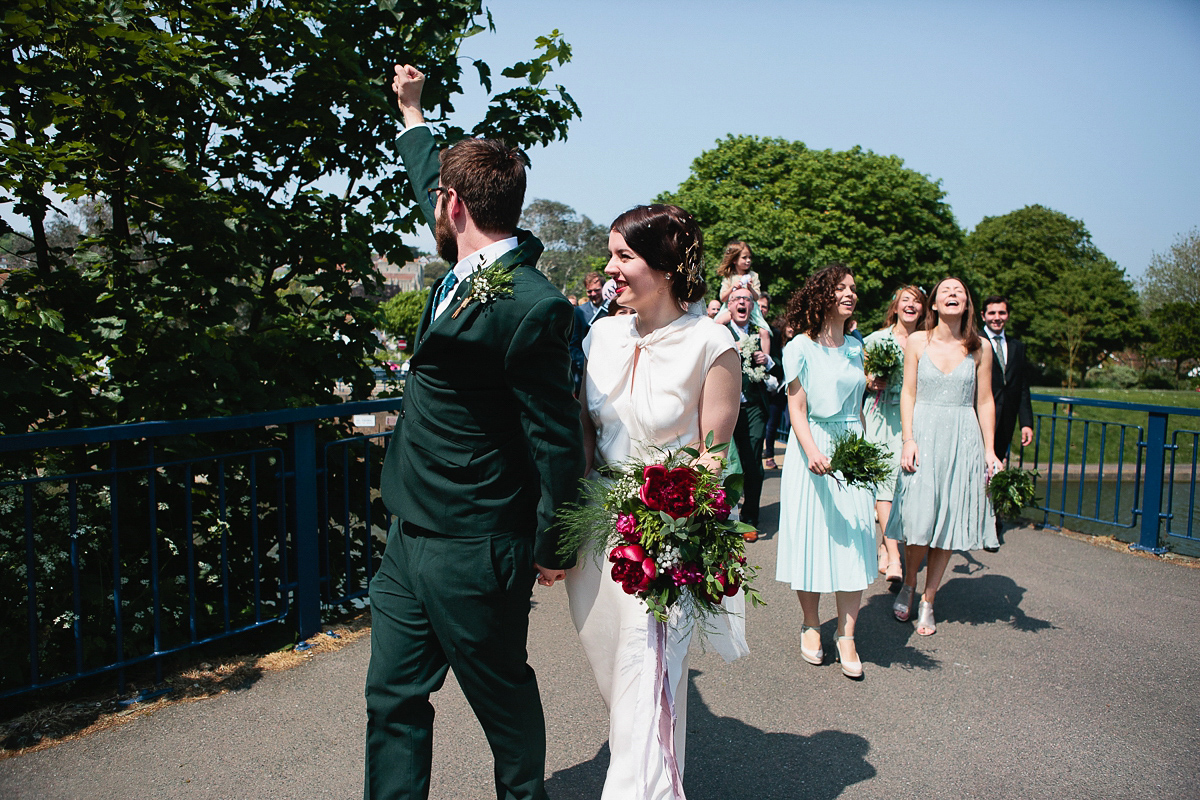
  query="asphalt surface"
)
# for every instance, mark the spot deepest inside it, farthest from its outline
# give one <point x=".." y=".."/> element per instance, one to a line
<point x="1059" y="670"/>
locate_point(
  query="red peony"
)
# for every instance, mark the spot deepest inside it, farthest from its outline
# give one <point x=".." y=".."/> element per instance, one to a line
<point x="632" y="568"/>
<point x="669" y="490"/>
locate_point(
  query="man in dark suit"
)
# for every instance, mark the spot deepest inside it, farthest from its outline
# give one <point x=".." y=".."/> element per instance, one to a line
<point x="751" y="425"/>
<point x="597" y="306"/>
<point x="487" y="447"/>
<point x="1010" y="378"/>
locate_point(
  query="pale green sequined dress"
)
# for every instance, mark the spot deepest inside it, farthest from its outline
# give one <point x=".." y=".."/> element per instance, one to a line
<point x="944" y="503"/>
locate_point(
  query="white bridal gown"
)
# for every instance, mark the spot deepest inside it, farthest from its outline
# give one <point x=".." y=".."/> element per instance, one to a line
<point x="644" y="392"/>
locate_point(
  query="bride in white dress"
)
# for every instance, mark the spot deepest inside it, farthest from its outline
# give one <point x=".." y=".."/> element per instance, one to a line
<point x="663" y="377"/>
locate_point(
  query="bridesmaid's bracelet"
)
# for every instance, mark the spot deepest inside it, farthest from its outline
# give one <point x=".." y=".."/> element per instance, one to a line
<point x="906" y="441"/>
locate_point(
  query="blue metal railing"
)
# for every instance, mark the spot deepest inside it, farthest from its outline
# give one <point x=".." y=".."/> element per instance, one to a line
<point x="123" y="544"/>
<point x="148" y="547"/>
<point x="1114" y="473"/>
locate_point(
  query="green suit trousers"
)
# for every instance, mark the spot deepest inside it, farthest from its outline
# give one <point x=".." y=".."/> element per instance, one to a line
<point x="463" y="603"/>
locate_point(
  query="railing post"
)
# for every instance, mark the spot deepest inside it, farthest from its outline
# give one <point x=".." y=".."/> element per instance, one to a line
<point x="304" y="501"/>
<point x="1152" y="486"/>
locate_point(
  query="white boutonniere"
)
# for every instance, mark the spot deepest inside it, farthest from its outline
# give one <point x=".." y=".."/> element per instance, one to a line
<point x="488" y="284"/>
<point x="749" y="345"/>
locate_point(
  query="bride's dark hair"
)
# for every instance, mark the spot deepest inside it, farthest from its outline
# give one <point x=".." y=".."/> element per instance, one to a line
<point x="669" y="240"/>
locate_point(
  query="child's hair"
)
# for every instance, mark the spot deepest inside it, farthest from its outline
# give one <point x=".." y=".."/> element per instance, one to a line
<point x="732" y="251"/>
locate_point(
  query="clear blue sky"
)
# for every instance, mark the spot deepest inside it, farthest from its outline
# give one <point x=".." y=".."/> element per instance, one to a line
<point x="1090" y="108"/>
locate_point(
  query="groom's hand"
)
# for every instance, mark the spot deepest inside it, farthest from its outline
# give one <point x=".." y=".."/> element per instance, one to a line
<point x="548" y="577"/>
<point x="407" y="83"/>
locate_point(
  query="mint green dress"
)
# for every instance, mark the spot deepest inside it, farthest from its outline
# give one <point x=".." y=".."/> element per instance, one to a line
<point x="826" y="529"/>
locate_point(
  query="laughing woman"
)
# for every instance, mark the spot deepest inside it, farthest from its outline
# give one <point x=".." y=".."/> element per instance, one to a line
<point x="881" y="413"/>
<point x="826" y="530"/>
<point x="948" y="419"/>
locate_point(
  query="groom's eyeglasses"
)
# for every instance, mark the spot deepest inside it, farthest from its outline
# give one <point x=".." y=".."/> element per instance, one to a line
<point x="432" y="194"/>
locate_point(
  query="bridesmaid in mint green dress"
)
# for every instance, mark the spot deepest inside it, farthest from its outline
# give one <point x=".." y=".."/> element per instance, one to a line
<point x="826" y="529"/>
<point x="881" y="413"/>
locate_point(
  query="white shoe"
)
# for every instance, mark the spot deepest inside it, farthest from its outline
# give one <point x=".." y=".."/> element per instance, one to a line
<point x="815" y="657"/>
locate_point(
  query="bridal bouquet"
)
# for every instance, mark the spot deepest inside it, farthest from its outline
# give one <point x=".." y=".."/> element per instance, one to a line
<point x="860" y="462"/>
<point x="666" y="530"/>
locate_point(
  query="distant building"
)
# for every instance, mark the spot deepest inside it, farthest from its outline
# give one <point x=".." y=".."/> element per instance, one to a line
<point x="407" y="278"/>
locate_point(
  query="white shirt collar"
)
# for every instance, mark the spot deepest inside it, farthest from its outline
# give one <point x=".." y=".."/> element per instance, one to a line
<point x="484" y="256"/>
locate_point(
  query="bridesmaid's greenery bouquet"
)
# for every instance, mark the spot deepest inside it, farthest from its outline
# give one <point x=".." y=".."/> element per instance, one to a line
<point x="1011" y="490"/>
<point x="860" y="462"/>
<point x="666" y="530"/>
<point x="884" y="360"/>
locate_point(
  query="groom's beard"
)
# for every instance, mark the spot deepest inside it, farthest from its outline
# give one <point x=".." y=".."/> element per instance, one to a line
<point x="443" y="235"/>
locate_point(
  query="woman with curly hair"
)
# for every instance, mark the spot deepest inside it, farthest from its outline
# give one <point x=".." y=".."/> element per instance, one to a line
<point x="826" y="530"/>
<point x="949" y="418"/>
<point x="881" y="412"/>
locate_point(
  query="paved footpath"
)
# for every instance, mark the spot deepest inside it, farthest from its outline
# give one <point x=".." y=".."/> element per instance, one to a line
<point x="1059" y="670"/>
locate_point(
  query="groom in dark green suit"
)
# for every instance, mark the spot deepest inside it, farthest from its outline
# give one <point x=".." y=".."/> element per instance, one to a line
<point x="487" y="447"/>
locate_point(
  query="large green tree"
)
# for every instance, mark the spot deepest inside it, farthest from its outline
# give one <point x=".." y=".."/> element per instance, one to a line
<point x="1071" y="303"/>
<point x="800" y="209"/>
<point x="243" y="153"/>
<point x="1170" y="292"/>
<point x="1176" y="335"/>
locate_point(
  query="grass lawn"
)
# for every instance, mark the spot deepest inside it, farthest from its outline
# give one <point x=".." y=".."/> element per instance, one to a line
<point x="1113" y="448"/>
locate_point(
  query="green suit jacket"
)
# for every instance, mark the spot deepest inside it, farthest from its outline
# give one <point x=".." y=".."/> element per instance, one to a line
<point x="489" y="440"/>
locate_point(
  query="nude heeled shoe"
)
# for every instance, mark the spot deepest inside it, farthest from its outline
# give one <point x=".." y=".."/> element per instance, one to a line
<point x="815" y="657"/>
<point x="851" y="669"/>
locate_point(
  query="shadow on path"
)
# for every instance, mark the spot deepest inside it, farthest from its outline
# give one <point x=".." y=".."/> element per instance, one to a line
<point x="728" y="758"/>
<point x="983" y="600"/>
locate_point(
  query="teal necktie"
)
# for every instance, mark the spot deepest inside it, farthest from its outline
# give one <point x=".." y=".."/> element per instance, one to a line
<point x="445" y="288"/>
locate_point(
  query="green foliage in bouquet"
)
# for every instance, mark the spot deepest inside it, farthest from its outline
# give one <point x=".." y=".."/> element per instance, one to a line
<point x="860" y="462"/>
<point x="665" y="528"/>
<point x="1011" y="490"/>
<point x="884" y="360"/>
